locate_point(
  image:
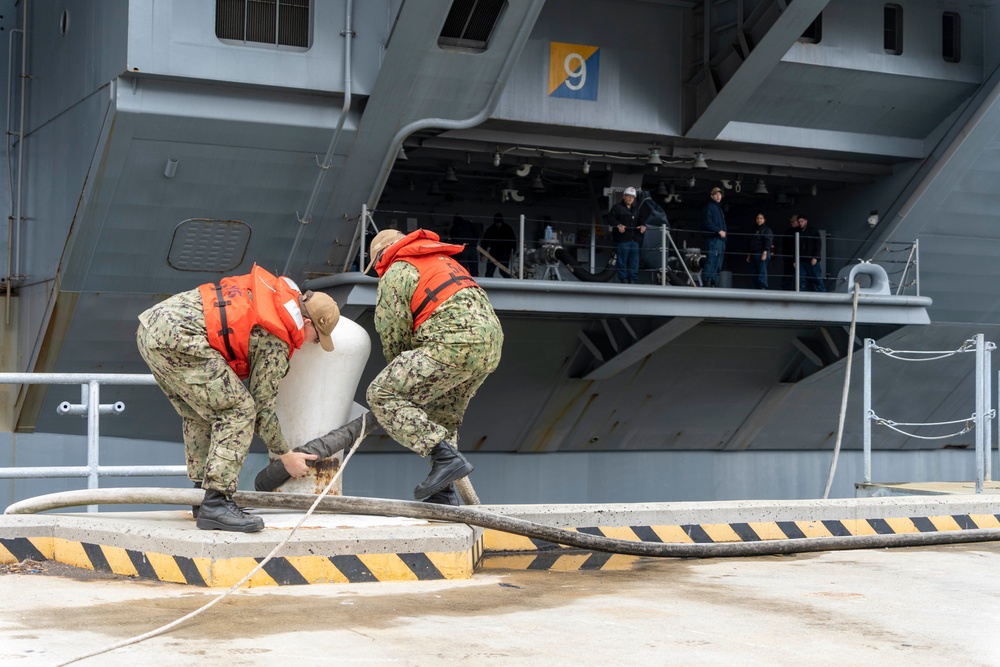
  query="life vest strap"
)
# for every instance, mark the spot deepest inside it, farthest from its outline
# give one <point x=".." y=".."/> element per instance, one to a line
<point x="221" y="304"/>
<point x="431" y="294"/>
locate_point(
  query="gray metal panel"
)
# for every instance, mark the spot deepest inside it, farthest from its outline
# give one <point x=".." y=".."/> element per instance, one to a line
<point x="640" y="72"/>
<point x="852" y="39"/>
<point x="239" y="156"/>
<point x="851" y="100"/>
<point x="67" y="69"/>
<point x="177" y="38"/>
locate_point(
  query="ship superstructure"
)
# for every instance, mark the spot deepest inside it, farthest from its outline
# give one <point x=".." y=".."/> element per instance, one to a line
<point x="156" y="146"/>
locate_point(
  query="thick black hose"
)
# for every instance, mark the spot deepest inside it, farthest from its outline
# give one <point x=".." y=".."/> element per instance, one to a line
<point x="484" y="519"/>
<point x="274" y="474"/>
<point x="583" y="274"/>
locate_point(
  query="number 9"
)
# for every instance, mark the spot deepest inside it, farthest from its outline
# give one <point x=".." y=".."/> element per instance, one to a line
<point x="579" y="73"/>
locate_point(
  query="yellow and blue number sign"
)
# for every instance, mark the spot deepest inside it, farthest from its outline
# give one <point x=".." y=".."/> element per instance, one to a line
<point x="573" y="70"/>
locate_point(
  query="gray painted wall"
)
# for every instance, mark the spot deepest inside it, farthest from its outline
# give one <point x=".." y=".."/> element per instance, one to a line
<point x="177" y="38"/>
<point x="852" y="39"/>
<point x="640" y="70"/>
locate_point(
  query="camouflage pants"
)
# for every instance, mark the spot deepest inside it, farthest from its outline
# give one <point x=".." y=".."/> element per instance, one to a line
<point x="216" y="410"/>
<point x="421" y="397"/>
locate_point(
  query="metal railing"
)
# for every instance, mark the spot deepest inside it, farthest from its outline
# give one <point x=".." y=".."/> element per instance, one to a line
<point x="91" y="407"/>
<point x="980" y="420"/>
<point x="678" y="253"/>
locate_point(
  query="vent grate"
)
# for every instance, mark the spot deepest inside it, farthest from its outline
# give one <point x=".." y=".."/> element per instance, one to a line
<point x="204" y="244"/>
<point x="470" y="23"/>
<point x="278" y="22"/>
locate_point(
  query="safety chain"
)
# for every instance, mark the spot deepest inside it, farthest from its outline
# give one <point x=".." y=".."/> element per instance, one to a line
<point x="969" y="425"/>
<point x="968" y="346"/>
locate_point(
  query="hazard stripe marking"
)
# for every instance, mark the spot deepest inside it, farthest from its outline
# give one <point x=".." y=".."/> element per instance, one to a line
<point x="282" y="572"/>
<point x="421" y="566"/>
<point x="672" y="534"/>
<point x="985" y="520"/>
<point x="646" y="534"/>
<point x="97" y="560"/>
<point x="745" y="532"/>
<point x="189" y="571"/>
<point x="21" y="548"/>
<point x="544" y="562"/>
<point x="881" y="527"/>
<point x="791" y="531"/>
<point x="490" y="549"/>
<point x="353" y="569"/>
<point x="596" y="561"/>
<point x="923" y="524"/>
<point x="567" y="561"/>
<point x="945" y="523"/>
<point x="836" y="528"/>
<point x="141" y="565"/>
<point x="721" y="532"/>
<point x="696" y="533"/>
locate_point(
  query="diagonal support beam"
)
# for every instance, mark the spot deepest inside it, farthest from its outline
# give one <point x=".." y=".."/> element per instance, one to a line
<point x="760" y="63"/>
<point x="643" y="348"/>
<point x="807" y="351"/>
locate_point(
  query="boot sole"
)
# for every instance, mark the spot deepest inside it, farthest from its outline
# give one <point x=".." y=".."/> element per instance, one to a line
<point x="450" y="479"/>
<point x="211" y="524"/>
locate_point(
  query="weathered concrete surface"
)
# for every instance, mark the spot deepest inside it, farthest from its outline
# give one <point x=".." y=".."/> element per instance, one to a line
<point x="931" y="606"/>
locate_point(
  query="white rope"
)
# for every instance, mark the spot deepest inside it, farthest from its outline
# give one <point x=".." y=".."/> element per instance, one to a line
<point x="847" y="386"/>
<point x="170" y="626"/>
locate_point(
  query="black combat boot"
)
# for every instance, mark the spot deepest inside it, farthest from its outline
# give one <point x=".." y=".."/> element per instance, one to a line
<point x="194" y="508"/>
<point x="447" y="466"/>
<point x="446" y="496"/>
<point x="218" y="512"/>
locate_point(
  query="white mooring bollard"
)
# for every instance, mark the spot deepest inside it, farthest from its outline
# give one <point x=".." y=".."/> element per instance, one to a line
<point x="316" y="397"/>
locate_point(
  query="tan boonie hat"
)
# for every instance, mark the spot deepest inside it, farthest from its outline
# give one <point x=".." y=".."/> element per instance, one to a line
<point x="382" y="240"/>
<point x="324" y="314"/>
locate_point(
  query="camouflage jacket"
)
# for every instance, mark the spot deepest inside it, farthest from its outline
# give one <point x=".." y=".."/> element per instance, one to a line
<point x="179" y="324"/>
<point x="454" y="323"/>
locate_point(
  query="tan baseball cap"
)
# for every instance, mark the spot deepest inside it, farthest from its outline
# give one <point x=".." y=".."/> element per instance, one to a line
<point x="382" y="240"/>
<point x="324" y="313"/>
<point x="714" y="190"/>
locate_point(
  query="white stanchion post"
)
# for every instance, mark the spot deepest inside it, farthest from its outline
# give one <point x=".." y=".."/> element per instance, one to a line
<point x="980" y="414"/>
<point x="869" y="343"/>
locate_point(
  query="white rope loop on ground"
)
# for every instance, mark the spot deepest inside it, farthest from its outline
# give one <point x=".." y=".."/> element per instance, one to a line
<point x="170" y="626"/>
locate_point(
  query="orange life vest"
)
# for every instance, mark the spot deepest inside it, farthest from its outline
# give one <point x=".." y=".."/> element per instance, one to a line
<point x="440" y="275"/>
<point x="238" y="303"/>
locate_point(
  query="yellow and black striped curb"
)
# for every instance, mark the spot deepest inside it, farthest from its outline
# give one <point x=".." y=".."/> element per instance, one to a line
<point x="562" y="560"/>
<point x="508" y="551"/>
<point x="224" y="572"/>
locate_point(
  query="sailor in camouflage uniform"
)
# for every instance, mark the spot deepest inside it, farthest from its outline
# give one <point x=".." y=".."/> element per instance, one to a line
<point x="200" y="345"/>
<point x="441" y="339"/>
